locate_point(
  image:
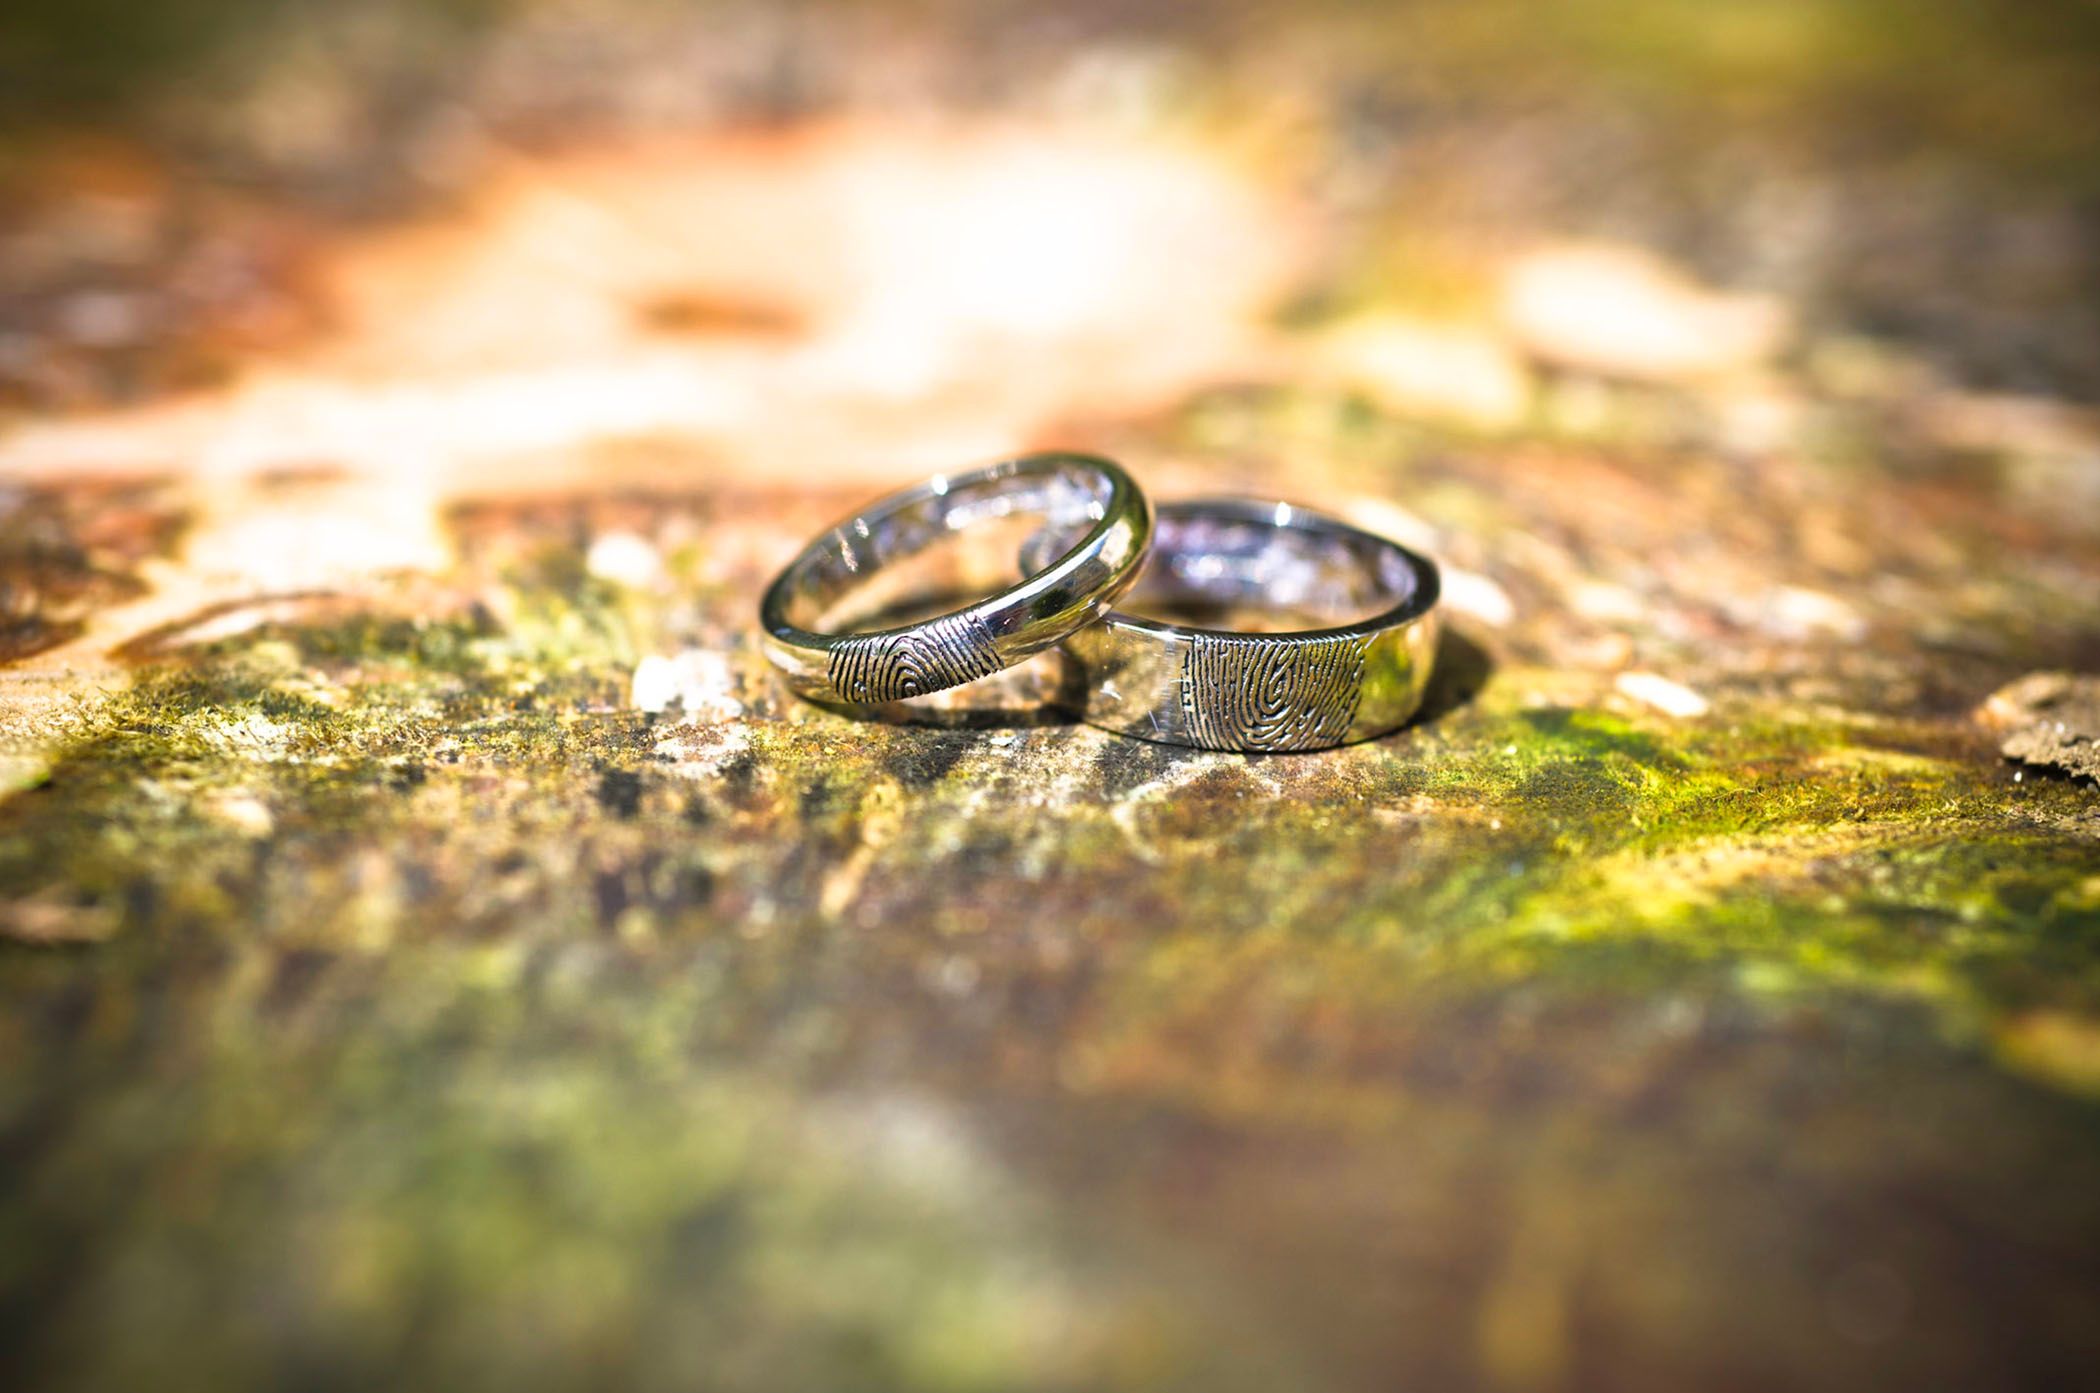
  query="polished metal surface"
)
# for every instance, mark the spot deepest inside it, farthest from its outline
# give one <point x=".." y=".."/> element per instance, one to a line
<point x="1102" y="517"/>
<point x="1359" y="675"/>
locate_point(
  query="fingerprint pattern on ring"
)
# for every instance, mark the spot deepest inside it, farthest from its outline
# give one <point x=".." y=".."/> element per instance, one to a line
<point x="1262" y="693"/>
<point x="946" y="652"/>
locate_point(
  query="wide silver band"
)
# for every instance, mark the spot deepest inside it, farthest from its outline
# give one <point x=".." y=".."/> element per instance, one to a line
<point x="807" y="613"/>
<point x="1308" y="689"/>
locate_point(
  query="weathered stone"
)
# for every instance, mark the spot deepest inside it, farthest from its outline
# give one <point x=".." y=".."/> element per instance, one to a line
<point x="2051" y="719"/>
<point x="434" y="951"/>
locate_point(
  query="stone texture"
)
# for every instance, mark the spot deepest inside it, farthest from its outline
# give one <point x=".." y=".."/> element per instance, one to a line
<point x="433" y="950"/>
<point x="2051" y="719"/>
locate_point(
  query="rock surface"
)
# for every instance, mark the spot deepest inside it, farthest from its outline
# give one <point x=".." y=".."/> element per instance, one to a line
<point x="2051" y="719"/>
<point x="433" y="951"/>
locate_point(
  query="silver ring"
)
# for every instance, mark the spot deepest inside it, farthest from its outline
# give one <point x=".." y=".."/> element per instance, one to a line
<point x="1309" y="689"/>
<point x="805" y="615"/>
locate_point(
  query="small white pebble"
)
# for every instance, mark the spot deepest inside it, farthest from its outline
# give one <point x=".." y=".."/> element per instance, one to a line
<point x="655" y="683"/>
<point x="624" y="559"/>
<point x="1389" y="519"/>
<point x="1670" y="698"/>
<point x="1793" y="611"/>
<point x="1473" y="594"/>
<point x="1605" y="602"/>
<point x="244" y="812"/>
<point x="697" y="680"/>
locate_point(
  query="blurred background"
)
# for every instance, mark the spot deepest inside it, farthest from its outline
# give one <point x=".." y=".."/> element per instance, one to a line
<point x="432" y="950"/>
<point x="751" y="192"/>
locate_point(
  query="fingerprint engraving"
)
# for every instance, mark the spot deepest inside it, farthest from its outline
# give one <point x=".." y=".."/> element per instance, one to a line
<point x="945" y="652"/>
<point x="1271" y="694"/>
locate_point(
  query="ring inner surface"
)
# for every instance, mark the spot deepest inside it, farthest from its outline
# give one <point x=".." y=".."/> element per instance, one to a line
<point x="1257" y="576"/>
<point x="934" y="551"/>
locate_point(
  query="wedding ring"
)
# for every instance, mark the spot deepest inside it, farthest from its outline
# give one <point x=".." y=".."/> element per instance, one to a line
<point x="1262" y="692"/>
<point x="806" y="614"/>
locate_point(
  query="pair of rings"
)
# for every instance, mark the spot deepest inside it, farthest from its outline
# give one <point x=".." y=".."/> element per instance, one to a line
<point x="1358" y="672"/>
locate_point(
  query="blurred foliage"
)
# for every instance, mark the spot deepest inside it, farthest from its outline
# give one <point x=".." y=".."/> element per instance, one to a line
<point x="103" y="60"/>
<point x="2015" y="84"/>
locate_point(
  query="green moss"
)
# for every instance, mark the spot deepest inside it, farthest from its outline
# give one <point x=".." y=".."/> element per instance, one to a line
<point x="536" y="1037"/>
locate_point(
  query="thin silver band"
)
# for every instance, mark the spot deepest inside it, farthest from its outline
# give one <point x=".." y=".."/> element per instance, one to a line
<point x="1263" y="692"/>
<point x="1080" y="496"/>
